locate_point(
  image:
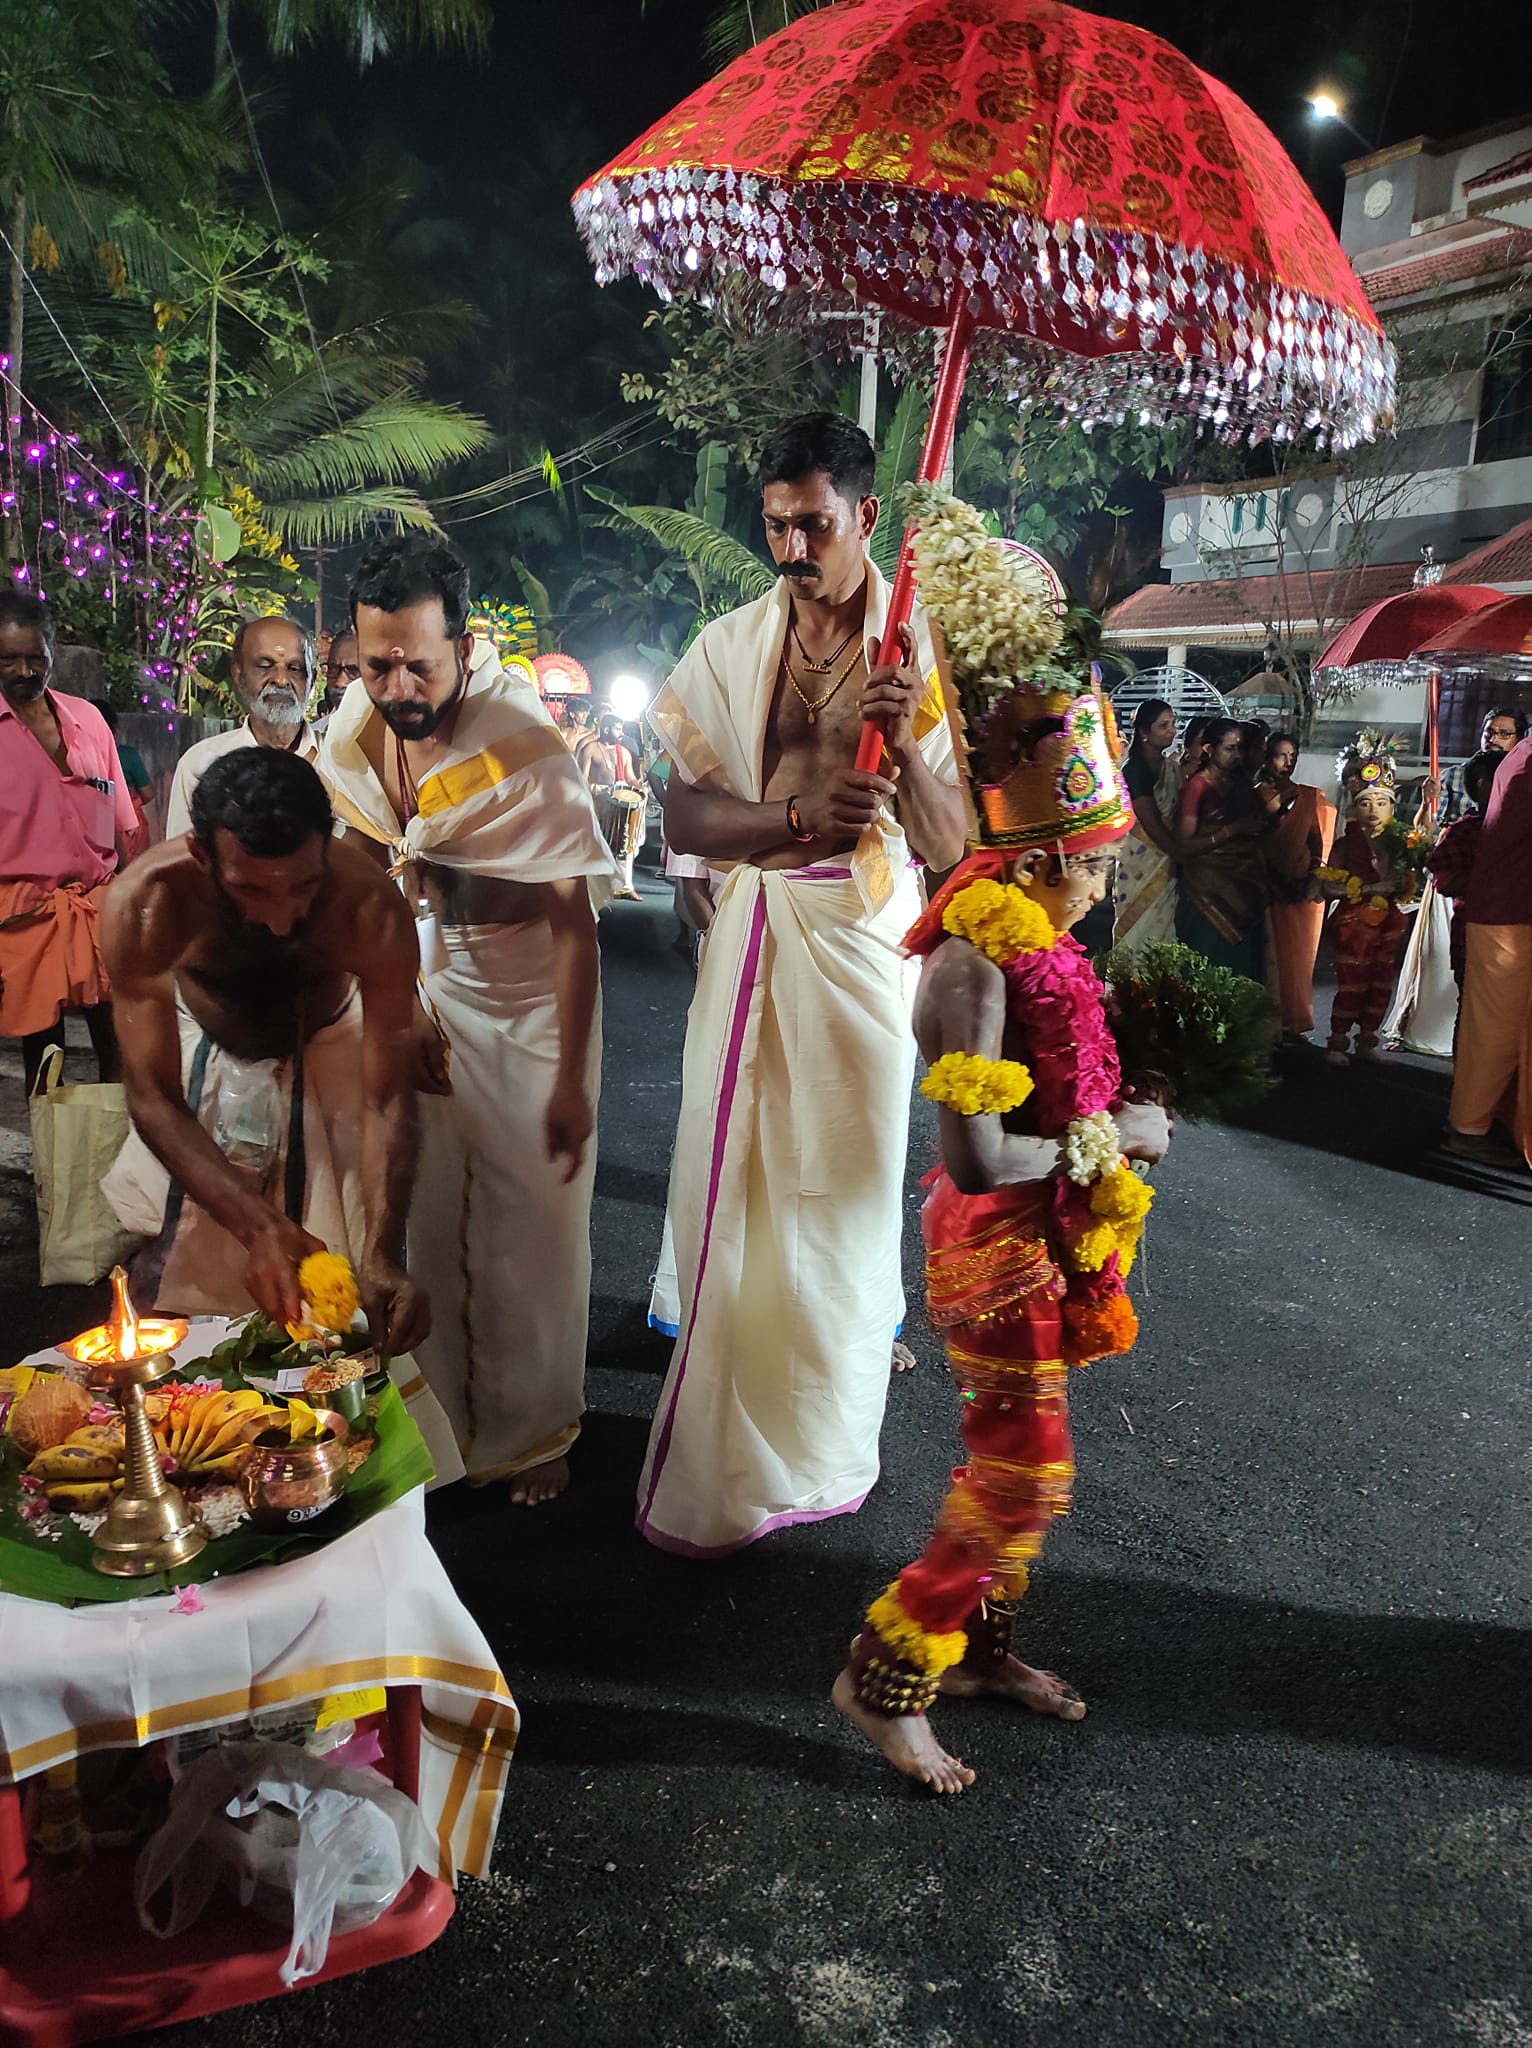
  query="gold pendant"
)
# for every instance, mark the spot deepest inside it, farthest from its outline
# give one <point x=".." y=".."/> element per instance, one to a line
<point x="813" y="718"/>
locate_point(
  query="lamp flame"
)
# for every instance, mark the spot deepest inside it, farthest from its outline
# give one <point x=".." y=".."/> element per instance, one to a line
<point x="125" y="1335"/>
<point x="123" y="1321"/>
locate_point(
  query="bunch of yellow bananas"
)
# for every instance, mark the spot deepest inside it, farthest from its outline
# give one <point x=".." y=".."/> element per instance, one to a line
<point x="205" y="1434"/>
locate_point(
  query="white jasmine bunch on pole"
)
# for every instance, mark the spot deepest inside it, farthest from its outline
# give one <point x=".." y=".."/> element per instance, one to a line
<point x="999" y="625"/>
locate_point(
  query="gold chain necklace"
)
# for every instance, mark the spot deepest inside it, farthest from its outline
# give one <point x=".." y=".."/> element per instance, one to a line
<point x="822" y="668"/>
<point x="814" y="705"/>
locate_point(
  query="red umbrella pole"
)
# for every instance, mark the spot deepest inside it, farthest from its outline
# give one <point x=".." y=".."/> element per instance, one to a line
<point x="1433" y="719"/>
<point x="933" y="460"/>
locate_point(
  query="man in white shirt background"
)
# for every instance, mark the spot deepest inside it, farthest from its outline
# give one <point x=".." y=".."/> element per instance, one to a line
<point x="273" y="667"/>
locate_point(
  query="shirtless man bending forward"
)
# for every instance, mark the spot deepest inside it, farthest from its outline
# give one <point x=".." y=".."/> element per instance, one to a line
<point x="255" y="936"/>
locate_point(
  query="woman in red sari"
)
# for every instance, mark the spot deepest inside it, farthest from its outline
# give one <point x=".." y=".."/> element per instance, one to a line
<point x="1222" y="891"/>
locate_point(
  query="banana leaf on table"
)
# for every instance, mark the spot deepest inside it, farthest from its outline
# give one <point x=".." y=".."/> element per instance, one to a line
<point x="58" y="1567"/>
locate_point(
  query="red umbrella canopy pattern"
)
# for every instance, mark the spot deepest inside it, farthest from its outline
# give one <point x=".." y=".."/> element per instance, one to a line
<point x="1498" y="638"/>
<point x="1396" y="629"/>
<point x="1125" y="232"/>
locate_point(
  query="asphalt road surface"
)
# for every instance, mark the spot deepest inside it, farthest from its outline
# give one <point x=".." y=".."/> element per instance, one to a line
<point x="1293" y="1589"/>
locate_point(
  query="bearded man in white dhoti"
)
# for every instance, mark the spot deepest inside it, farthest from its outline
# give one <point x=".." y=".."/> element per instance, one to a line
<point x="457" y="777"/>
<point x="785" y="1213"/>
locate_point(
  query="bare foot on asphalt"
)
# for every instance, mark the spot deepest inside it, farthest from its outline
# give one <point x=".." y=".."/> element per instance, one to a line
<point x="903" y="1359"/>
<point x="531" y="1488"/>
<point x="906" y="1740"/>
<point x="1043" y="1691"/>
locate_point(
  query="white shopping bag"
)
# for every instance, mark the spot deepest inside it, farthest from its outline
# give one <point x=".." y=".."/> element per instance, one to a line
<point x="76" y="1134"/>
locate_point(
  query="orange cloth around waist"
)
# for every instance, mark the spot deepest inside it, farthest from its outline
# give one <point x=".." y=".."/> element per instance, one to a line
<point x="50" y="960"/>
<point x="986" y="1252"/>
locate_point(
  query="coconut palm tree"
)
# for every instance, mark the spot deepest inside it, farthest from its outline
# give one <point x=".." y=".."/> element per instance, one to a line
<point x="369" y="29"/>
<point x="86" y="115"/>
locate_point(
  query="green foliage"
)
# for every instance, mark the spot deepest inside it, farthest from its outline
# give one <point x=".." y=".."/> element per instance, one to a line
<point x="1197" y="1037"/>
<point x="370" y="29"/>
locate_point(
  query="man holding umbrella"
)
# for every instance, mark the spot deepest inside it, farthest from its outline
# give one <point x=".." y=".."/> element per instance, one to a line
<point x="782" y="1272"/>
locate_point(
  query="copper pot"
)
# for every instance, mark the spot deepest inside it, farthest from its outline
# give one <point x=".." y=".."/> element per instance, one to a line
<point x="287" y="1485"/>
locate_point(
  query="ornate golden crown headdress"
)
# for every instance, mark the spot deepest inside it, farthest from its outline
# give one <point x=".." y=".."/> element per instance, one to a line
<point x="1369" y="761"/>
<point x="1038" y="743"/>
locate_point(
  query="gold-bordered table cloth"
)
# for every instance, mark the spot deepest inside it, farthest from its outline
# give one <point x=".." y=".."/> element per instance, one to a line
<point x="373" y="1608"/>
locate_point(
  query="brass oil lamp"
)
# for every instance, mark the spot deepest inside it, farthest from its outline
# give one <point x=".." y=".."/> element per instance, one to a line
<point x="148" y="1528"/>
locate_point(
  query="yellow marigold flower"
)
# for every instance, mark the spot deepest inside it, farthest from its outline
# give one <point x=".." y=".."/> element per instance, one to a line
<point x="1000" y="919"/>
<point x="1089" y="1252"/>
<point x="930" y="1654"/>
<point x="1121" y="1198"/>
<point x="975" y="1086"/>
<point x="330" y="1292"/>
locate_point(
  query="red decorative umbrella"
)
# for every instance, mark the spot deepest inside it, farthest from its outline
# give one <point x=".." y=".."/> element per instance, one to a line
<point x="1097" y="224"/>
<point x="1397" y="628"/>
<point x="1499" y="634"/>
<point x="1391" y="637"/>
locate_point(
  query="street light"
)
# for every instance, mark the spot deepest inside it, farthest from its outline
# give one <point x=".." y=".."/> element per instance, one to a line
<point x="628" y="696"/>
<point x="1324" y="106"/>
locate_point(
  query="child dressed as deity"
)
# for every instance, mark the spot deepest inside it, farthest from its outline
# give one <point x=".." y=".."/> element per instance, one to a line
<point x="1374" y="875"/>
<point x="1034" y="1218"/>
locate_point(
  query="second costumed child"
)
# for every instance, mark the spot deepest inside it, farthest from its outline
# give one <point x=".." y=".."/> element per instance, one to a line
<point x="1034" y="1218"/>
<point x="1374" y="872"/>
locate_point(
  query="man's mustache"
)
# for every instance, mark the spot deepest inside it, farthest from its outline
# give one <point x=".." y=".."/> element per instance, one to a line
<point x="801" y="572"/>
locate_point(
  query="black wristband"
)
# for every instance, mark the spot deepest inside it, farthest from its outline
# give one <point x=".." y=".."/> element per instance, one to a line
<point x="795" y="823"/>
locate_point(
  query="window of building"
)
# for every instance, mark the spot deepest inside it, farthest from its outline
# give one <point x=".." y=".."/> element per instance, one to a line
<point x="1505" y="408"/>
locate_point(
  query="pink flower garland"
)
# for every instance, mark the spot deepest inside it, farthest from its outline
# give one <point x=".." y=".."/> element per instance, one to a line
<point x="1057" y="1001"/>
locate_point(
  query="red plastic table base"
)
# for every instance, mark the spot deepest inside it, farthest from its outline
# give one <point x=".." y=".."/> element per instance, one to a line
<point x="76" y="1966"/>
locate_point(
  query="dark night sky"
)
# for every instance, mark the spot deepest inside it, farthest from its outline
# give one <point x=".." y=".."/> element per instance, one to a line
<point x="610" y="67"/>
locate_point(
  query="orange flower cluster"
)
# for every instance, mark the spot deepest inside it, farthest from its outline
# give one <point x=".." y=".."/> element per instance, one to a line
<point x="1099" y="1329"/>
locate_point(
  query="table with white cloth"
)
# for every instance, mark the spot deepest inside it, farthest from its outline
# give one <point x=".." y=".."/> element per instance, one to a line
<point x="372" y="1609"/>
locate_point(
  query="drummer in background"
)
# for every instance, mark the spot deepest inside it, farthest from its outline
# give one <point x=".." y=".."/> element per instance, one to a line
<point x="621" y="799"/>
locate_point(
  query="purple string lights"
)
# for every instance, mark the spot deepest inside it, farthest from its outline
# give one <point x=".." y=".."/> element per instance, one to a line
<point x="94" y="527"/>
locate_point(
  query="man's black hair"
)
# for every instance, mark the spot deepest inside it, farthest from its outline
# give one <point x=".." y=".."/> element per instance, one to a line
<point x="269" y="799"/>
<point x="1514" y="712"/>
<point x="237" y="645"/>
<point x="411" y="568"/>
<point x="25" y="608"/>
<point x="1479" y="776"/>
<point x="817" y="441"/>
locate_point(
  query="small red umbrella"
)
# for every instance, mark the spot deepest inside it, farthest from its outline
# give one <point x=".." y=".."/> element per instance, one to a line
<point x="1097" y="224"/>
<point x="1393" y="634"/>
<point x="1398" y="627"/>
<point x="1500" y="632"/>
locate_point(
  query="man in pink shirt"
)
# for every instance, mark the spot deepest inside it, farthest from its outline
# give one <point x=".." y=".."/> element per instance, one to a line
<point x="64" y="805"/>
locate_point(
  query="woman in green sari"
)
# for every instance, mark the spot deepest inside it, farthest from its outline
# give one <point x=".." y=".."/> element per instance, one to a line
<point x="1222" y="885"/>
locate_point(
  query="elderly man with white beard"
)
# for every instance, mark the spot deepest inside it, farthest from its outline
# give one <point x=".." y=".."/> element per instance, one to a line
<point x="273" y="665"/>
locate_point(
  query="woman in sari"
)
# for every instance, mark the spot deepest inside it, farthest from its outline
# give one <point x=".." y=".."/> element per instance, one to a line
<point x="1221" y="891"/>
<point x="1146" y="874"/>
<point x="1299" y="841"/>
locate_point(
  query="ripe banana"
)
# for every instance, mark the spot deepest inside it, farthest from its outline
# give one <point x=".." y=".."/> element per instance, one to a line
<point x="73" y="1462"/>
<point x="82" y="1497"/>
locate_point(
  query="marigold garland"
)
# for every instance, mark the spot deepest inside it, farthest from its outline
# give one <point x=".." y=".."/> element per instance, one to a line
<point x="930" y="1654"/>
<point x="975" y="1086"/>
<point x="1099" y="1329"/>
<point x="1001" y="920"/>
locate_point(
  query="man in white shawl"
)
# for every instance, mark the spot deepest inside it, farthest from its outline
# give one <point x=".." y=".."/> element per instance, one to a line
<point x="785" y="1216"/>
<point x="459" y="778"/>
